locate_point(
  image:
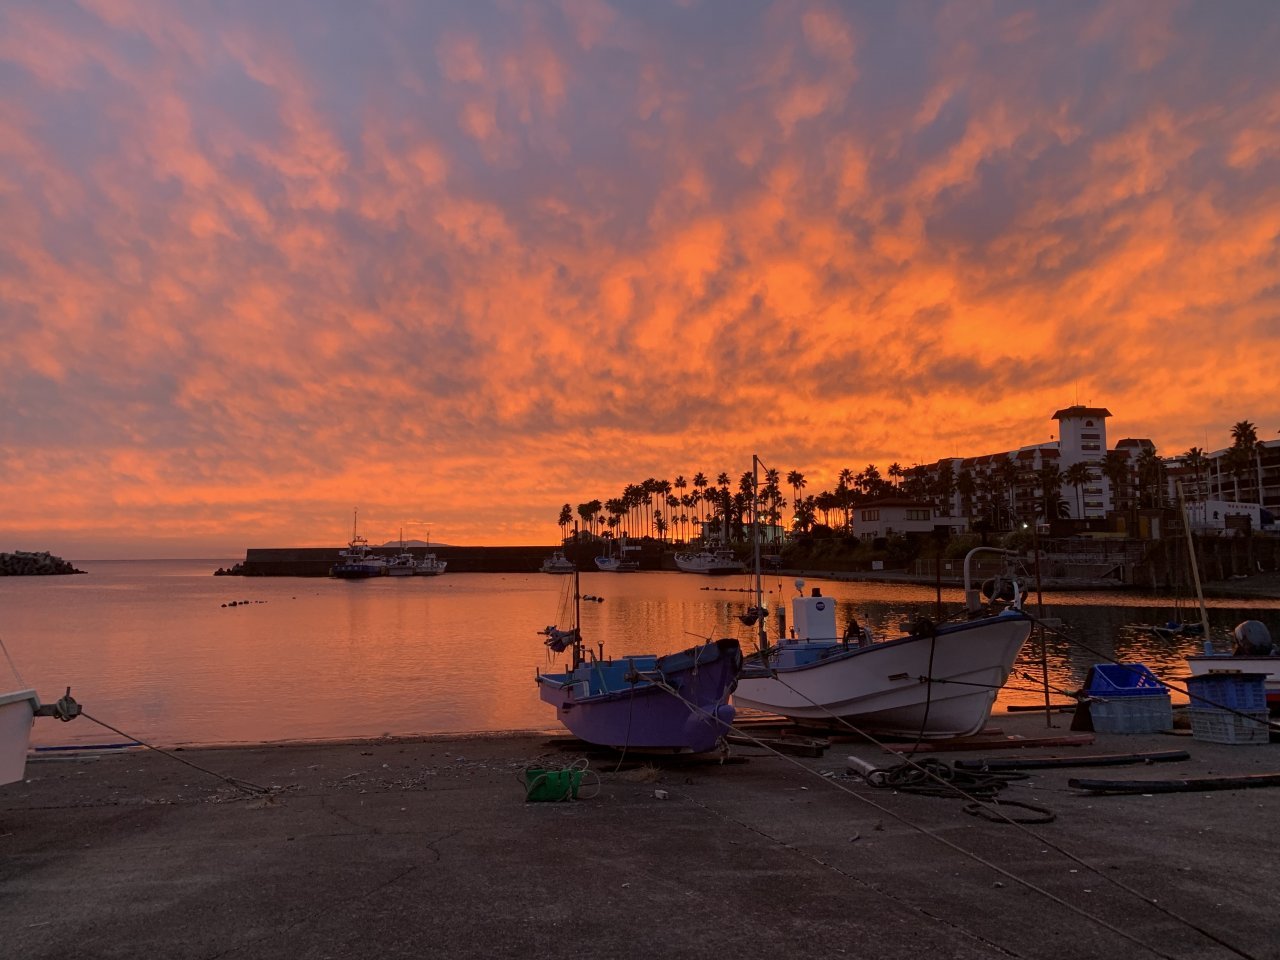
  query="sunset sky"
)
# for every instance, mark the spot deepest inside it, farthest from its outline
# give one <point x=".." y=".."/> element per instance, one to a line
<point x="460" y="263"/>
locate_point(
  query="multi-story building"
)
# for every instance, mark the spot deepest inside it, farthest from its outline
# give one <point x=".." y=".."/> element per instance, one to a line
<point x="1075" y="476"/>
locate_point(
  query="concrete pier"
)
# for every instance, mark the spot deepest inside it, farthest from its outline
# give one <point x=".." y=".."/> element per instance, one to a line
<point x="419" y="848"/>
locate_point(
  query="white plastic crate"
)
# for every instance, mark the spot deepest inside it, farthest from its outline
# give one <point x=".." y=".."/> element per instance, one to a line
<point x="1126" y="714"/>
<point x="1219" y="726"/>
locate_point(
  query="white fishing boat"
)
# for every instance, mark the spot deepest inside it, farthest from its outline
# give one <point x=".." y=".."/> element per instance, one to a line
<point x="357" y="562"/>
<point x="713" y="560"/>
<point x="402" y="564"/>
<point x="558" y="563"/>
<point x="934" y="681"/>
<point x="429" y="565"/>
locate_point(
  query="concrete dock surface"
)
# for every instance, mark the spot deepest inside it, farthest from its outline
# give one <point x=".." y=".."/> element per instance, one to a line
<point x="428" y="848"/>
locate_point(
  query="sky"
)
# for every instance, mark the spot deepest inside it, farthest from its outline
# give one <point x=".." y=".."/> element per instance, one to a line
<point x="457" y="264"/>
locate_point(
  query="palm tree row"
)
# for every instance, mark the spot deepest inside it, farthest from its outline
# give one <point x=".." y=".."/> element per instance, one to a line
<point x="1002" y="494"/>
<point x="663" y="509"/>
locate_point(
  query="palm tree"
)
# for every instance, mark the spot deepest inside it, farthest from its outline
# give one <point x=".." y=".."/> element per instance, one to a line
<point x="1236" y="461"/>
<point x="1079" y="475"/>
<point x="566" y="519"/>
<point x="1197" y="461"/>
<point x="681" y="484"/>
<point x="895" y="471"/>
<point x="805" y="513"/>
<point x="871" y="481"/>
<point x="1007" y="474"/>
<point x="1050" y="478"/>
<point x="1151" y="480"/>
<point x="1115" y="467"/>
<point x="966" y="486"/>
<point x="1244" y="435"/>
<point x="796" y="479"/>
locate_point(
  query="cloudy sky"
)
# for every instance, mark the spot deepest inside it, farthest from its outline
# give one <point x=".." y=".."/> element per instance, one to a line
<point x="461" y="263"/>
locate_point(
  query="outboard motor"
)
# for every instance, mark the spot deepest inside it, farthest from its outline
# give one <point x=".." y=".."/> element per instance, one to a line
<point x="1253" y="639"/>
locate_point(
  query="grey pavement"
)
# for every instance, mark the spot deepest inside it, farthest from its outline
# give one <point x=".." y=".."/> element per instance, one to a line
<point x="427" y="848"/>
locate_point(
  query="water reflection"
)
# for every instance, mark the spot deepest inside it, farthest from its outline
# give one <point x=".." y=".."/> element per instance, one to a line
<point x="151" y="648"/>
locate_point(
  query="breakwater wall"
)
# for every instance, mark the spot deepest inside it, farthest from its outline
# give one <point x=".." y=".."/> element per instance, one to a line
<point x="316" y="561"/>
<point x="23" y="563"/>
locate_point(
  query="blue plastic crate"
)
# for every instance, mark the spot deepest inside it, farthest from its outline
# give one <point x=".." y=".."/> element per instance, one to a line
<point x="1123" y="680"/>
<point x="1243" y="692"/>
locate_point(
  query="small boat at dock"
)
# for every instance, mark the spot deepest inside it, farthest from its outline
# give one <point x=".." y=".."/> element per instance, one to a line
<point x="357" y="562"/>
<point x="558" y="563"/>
<point x="933" y="681"/>
<point x="677" y="703"/>
<point x="608" y="563"/>
<point x="429" y="565"/>
<point x="713" y="560"/>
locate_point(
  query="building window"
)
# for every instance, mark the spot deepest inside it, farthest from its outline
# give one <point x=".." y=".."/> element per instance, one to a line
<point x="918" y="515"/>
<point x="1090" y="446"/>
<point x="870" y="515"/>
<point x="1090" y="436"/>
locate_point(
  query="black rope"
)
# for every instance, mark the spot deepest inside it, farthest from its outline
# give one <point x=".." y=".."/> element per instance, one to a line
<point x="246" y="786"/>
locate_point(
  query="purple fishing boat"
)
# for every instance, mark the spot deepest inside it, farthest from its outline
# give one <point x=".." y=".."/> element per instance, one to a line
<point x="673" y="703"/>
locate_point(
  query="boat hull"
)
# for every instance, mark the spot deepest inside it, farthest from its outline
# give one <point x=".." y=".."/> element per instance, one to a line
<point x="17" y="711"/>
<point x="355" y="571"/>
<point x="597" y="704"/>
<point x="878" y="688"/>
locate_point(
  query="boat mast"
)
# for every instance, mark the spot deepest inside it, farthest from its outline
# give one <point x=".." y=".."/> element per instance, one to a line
<point x="762" y="639"/>
<point x="577" y="610"/>
<point x="1195" y="569"/>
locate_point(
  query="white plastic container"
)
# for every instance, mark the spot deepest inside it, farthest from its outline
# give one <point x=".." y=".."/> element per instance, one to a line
<point x="815" y="618"/>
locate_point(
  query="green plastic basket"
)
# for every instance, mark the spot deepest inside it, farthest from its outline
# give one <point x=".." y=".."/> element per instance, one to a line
<point x="551" y="785"/>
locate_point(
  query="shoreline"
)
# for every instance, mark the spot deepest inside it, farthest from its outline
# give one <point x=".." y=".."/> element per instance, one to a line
<point x="413" y="847"/>
<point x="1263" y="586"/>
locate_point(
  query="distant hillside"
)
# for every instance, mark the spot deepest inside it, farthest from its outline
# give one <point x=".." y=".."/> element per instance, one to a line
<point x="414" y="543"/>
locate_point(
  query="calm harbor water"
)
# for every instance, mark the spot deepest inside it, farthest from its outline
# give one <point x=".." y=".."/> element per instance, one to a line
<point x="151" y="648"/>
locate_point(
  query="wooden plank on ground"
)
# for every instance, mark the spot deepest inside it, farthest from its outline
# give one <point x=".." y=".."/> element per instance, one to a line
<point x="796" y="746"/>
<point x="1192" y="785"/>
<point x="1097" y="760"/>
<point x="990" y="743"/>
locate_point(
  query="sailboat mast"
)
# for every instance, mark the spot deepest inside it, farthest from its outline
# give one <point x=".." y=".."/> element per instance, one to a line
<point x="577" y="609"/>
<point x="762" y="640"/>
<point x="1195" y="568"/>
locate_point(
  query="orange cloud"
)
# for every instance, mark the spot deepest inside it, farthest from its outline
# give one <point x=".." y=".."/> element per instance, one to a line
<point x="475" y="264"/>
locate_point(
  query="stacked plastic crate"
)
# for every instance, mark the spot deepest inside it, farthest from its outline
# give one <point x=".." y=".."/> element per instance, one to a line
<point x="1229" y="708"/>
